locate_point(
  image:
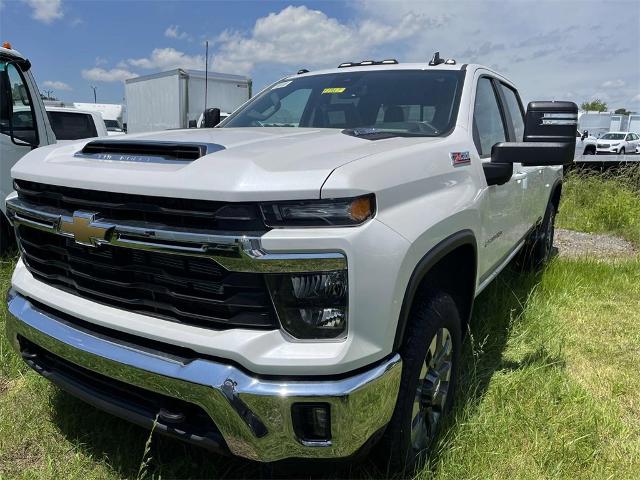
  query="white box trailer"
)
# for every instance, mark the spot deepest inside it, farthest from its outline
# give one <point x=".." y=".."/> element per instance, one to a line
<point x="175" y="99"/>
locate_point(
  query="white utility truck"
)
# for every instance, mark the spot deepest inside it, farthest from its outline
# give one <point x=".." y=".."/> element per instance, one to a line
<point x="175" y="99"/>
<point x="296" y="282"/>
<point x="112" y="114"/>
<point x="73" y="124"/>
<point x="23" y="124"/>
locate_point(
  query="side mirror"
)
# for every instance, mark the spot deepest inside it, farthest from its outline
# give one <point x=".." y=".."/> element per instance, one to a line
<point x="585" y="134"/>
<point x="533" y="154"/>
<point x="211" y="117"/>
<point x="549" y="137"/>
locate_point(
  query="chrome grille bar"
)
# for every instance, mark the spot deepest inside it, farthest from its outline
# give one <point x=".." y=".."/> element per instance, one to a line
<point x="236" y="253"/>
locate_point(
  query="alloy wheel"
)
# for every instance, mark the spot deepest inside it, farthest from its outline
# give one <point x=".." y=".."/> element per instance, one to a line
<point x="433" y="389"/>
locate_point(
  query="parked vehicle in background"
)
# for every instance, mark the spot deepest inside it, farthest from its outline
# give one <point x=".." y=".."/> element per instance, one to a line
<point x="620" y="143"/>
<point x="74" y="124"/>
<point x="112" y="114"/>
<point x="176" y="99"/>
<point x="585" y="144"/>
<point x="200" y="122"/>
<point x="295" y="291"/>
<point x="23" y="124"/>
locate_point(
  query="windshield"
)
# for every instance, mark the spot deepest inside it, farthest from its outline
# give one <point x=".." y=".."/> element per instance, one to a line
<point x="612" y="136"/>
<point x="412" y="102"/>
<point x="112" y="125"/>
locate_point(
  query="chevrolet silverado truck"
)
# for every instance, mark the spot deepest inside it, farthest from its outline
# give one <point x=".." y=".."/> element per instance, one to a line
<point x="295" y="282"/>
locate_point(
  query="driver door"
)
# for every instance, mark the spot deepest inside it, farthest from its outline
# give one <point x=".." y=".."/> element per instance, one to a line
<point x="503" y="224"/>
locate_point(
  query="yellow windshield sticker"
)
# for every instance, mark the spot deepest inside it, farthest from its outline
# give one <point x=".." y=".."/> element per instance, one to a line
<point x="333" y="90"/>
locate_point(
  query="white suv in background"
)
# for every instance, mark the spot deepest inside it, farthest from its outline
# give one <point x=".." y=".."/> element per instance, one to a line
<point x="618" y="142"/>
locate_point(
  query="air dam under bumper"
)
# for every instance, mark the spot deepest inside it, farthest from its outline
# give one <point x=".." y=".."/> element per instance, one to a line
<point x="252" y="415"/>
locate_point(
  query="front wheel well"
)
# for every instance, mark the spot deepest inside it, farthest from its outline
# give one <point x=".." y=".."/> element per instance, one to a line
<point x="452" y="271"/>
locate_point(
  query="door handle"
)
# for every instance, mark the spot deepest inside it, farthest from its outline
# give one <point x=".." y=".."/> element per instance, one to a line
<point x="520" y="176"/>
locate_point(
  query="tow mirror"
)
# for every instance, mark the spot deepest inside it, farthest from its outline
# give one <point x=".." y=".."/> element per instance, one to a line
<point x="211" y="117"/>
<point x="549" y="137"/>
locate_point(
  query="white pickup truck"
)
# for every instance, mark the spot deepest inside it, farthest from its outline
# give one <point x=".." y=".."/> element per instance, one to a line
<point x="287" y="291"/>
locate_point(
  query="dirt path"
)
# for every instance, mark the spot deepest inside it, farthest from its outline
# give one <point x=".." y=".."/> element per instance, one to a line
<point x="579" y="244"/>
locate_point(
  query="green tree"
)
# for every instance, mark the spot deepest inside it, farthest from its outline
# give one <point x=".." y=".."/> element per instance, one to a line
<point x="596" y="105"/>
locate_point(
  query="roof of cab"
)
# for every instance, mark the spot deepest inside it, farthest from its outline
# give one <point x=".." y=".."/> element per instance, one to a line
<point x="11" y="52"/>
<point x="402" y="66"/>
<point x="392" y="66"/>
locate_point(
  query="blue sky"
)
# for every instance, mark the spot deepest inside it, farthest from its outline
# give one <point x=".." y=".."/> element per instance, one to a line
<point x="567" y="49"/>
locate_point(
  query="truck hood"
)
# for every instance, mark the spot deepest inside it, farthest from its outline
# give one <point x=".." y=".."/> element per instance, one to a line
<point x="256" y="164"/>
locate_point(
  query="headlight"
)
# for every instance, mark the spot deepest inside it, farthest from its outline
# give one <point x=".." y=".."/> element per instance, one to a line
<point x="311" y="305"/>
<point x="614" y="144"/>
<point x="319" y="213"/>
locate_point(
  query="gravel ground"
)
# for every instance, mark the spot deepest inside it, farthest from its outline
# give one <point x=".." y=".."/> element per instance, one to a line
<point x="579" y="244"/>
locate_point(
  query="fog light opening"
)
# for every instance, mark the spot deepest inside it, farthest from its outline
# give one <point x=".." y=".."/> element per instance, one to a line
<point x="312" y="421"/>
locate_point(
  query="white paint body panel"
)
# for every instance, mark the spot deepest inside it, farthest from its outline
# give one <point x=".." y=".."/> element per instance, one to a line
<point x="421" y="198"/>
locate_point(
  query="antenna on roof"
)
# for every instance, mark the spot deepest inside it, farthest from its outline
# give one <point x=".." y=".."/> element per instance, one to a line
<point x="302" y="70"/>
<point x="436" y="60"/>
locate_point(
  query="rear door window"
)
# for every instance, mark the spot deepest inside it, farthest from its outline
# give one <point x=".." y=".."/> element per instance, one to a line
<point x="488" y="126"/>
<point x="72" y="126"/>
<point x="514" y="107"/>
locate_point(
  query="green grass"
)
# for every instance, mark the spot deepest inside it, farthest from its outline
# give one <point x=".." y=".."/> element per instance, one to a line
<point x="603" y="203"/>
<point x="550" y="385"/>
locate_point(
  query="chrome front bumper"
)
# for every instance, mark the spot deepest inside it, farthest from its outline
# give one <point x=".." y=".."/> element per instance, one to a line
<point x="253" y="415"/>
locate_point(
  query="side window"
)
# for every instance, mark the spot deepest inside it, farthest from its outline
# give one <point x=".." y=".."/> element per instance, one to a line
<point x="488" y="127"/>
<point x="517" y="117"/>
<point x="16" y="107"/>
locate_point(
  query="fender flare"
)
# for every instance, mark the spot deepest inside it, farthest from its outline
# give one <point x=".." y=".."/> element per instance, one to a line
<point x="456" y="240"/>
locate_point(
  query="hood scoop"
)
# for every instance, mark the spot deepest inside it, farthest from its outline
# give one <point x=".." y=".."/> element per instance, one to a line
<point x="146" y="151"/>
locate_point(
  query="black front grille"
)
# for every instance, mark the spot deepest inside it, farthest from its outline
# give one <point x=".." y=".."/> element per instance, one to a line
<point x="186" y="289"/>
<point x="171" y="212"/>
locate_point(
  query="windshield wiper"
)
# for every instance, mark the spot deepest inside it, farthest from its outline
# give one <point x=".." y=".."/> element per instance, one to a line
<point x="371" y="133"/>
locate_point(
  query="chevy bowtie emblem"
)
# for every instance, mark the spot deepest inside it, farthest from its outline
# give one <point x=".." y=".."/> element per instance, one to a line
<point x="83" y="228"/>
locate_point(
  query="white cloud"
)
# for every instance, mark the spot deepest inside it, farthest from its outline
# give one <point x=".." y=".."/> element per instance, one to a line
<point x="101" y="60"/>
<point x="167" y="59"/>
<point x="299" y="36"/>
<point x="56" y="85"/>
<point x="173" y="31"/>
<point x="636" y="98"/>
<point x="614" y="83"/>
<point x="98" y="74"/>
<point x="45" y="11"/>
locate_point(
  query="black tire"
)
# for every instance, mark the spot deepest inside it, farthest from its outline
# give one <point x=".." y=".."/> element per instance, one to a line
<point x="435" y="312"/>
<point x="538" y="248"/>
<point x="622" y="151"/>
<point x="590" y="150"/>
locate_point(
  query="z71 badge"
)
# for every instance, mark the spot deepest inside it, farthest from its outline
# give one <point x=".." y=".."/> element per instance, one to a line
<point x="460" y="158"/>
